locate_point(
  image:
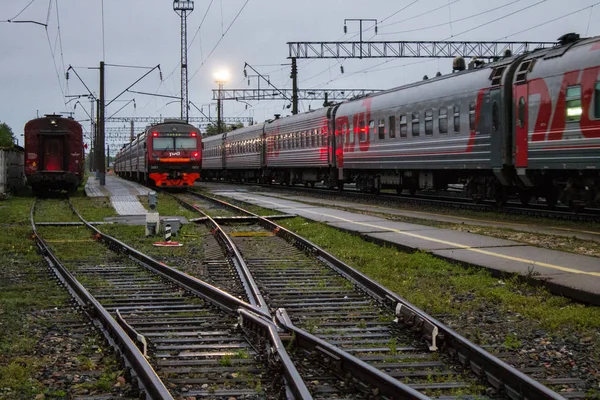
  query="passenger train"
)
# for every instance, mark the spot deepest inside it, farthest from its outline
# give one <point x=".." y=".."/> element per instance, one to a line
<point x="54" y="154"/>
<point x="168" y="154"/>
<point x="527" y="125"/>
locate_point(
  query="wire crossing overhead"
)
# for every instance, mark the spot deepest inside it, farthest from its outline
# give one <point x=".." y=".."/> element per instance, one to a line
<point x="399" y="49"/>
<point x="201" y="120"/>
<point x="285" y="94"/>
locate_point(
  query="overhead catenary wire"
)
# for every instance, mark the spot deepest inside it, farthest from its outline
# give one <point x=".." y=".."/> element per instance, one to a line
<point x="220" y="39"/>
<point x="552" y="20"/>
<point x="458" y="34"/>
<point x="20" y="12"/>
<point x="422" y="28"/>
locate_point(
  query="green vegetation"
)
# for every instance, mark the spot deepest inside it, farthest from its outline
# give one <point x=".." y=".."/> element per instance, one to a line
<point x="93" y="208"/>
<point x="28" y="316"/>
<point x="7" y="137"/>
<point x="54" y="210"/>
<point x="168" y="206"/>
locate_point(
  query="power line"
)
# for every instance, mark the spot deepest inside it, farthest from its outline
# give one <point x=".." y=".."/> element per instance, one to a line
<point x="457" y="20"/>
<point x="500" y="18"/>
<point x="20" y="12"/>
<point x="420" y="15"/>
<point x="400" y="10"/>
<point x="54" y="63"/>
<point x="553" y="20"/>
<point x="220" y="39"/>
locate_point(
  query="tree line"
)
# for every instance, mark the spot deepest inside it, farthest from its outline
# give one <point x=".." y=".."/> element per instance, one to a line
<point x="7" y="137"/>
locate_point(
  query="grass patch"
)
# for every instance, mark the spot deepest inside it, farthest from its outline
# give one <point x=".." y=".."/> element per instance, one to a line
<point x="189" y="235"/>
<point x="54" y="210"/>
<point x="168" y="206"/>
<point x="93" y="208"/>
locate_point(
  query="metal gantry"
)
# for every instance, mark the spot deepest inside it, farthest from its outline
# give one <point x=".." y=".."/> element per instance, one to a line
<point x="197" y="120"/>
<point x="420" y="49"/>
<point x="183" y="8"/>
<point x="285" y="94"/>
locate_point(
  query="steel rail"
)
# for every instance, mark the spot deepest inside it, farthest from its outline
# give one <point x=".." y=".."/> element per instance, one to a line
<point x="214" y="295"/>
<point x="233" y="254"/>
<point x="499" y="374"/>
<point x="148" y="379"/>
<point x="345" y="362"/>
<point x="252" y="321"/>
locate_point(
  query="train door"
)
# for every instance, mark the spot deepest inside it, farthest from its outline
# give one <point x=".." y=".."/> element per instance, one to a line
<point x="521" y="125"/>
<point x="53" y="153"/>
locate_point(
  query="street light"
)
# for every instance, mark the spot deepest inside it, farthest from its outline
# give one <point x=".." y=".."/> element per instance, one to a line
<point x="220" y="78"/>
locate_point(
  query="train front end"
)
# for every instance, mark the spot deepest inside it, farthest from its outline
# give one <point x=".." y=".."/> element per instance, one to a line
<point x="174" y="151"/>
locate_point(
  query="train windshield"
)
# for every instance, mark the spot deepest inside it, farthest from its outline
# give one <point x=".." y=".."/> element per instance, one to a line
<point x="185" y="143"/>
<point x="172" y="144"/>
<point x="162" y="143"/>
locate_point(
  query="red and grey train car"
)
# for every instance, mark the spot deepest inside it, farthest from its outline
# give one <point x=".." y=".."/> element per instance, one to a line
<point x="527" y="125"/>
<point x="168" y="154"/>
<point x="54" y="155"/>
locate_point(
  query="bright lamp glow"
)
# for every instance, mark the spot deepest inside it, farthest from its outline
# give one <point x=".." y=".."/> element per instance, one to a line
<point x="221" y="76"/>
<point x="574" y="112"/>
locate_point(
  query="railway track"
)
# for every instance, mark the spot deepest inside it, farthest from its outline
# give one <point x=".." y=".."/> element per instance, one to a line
<point x="181" y="337"/>
<point x="449" y="202"/>
<point x="312" y="290"/>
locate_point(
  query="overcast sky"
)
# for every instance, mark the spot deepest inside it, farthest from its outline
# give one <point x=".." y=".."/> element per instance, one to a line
<point x="147" y="32"/>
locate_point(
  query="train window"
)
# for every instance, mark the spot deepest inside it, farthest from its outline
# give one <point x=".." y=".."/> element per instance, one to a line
<point x="574" y="103"/>
<point x="159" y="143"/>
<point x="351" y="130"/>
<point x="403" y="126"/>
<point x="597" y="101"/>
<point x="443" y="120"/>
<point x="381" y="129"/>
<point x="429" y="122"/>
<point x="415" y="124"/>
<point x="471" y="116"/>
<point x="495" y="117"/>
<point x="362" y="131"/>
<point x="392" y="124"/>
<point x="521" y="113"/>
<point x="456" y="119"/>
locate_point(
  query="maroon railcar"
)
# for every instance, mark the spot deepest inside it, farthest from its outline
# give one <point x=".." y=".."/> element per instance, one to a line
<point x="54" y="153"/>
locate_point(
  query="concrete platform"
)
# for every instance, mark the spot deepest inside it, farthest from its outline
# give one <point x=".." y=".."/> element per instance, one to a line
<point x="571" y="275"/>
<point x="123" y="194"/>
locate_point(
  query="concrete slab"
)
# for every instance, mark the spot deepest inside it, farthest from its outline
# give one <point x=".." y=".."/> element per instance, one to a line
<point x="138" y="219"/>
<point x="123" y="194"/>
<point x="127" y="205"/>
<point x="349" y="226"/>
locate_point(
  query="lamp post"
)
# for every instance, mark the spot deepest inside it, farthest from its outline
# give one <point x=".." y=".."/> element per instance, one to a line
<point x="220" y="78"/>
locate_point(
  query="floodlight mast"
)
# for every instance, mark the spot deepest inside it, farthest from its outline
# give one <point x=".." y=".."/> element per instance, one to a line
<point x="183" y="8"/>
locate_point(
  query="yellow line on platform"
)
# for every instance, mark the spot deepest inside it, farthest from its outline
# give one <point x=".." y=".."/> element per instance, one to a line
<point x="451" y="244"/>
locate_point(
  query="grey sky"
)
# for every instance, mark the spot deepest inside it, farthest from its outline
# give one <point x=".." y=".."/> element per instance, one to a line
<point x="146" y="33"/>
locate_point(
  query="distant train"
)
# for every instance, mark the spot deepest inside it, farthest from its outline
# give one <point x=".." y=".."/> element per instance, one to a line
<point x="54" y="153"/>
<point x="168" y="154"/>
<point x="527" y="125"/>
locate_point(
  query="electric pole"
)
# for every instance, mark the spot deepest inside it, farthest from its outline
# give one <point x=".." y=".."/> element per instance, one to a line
<point x="183" y="8"/>
<point x="100" y="147"/>
<point x="294" y="77"/>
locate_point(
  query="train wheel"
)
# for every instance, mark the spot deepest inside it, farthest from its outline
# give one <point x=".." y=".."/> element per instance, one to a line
<point x="500" y="195"/>
<point x="525" y="197"/>
<point x="551" y="197"/>
<point x="412" y="190"/>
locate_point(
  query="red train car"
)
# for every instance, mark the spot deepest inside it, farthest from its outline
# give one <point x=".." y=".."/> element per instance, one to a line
<point x="168" y="154"/>
<point x="54" y="153"/>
